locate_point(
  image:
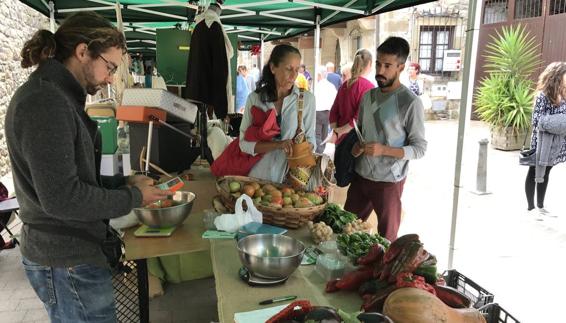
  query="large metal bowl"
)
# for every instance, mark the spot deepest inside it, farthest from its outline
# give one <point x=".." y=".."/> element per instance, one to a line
<point x="272" y="256"/>
<point x="169" y="216"/>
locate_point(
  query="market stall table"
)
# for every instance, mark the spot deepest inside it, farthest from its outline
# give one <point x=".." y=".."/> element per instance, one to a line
<point x="234" y="295"/>
<point x="184" y="240"/>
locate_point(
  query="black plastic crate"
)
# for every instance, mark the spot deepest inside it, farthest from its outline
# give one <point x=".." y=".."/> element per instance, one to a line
<point x="493" y="313"/>
<point x="127" y="291"/>
<point x="479" y="295"/>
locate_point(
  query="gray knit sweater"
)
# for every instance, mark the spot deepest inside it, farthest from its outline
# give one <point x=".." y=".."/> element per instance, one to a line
<point x="54" y="150"/>
<point x="551" y="136"/>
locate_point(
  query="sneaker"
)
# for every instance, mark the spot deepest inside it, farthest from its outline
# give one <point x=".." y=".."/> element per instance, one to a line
<point x="544" y="212"/>
<point x="533" y="214"/>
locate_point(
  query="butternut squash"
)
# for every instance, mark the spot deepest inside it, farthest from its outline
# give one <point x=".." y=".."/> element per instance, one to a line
<point x="413" y="305"/>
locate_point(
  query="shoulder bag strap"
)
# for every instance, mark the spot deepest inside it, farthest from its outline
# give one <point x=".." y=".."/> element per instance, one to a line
<point x="300" y="107"/>
<point x="525" y="140"/>
<point x="66" y="230"/>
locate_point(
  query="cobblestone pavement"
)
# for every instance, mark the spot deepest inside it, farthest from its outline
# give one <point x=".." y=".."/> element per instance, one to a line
<point x="518" y="259"/>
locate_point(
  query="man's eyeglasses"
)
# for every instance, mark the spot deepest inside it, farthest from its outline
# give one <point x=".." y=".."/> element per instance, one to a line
<point x="110" y="66"/>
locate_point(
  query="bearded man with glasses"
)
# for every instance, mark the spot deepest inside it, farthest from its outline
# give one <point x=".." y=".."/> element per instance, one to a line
<point x="55" y="152"/>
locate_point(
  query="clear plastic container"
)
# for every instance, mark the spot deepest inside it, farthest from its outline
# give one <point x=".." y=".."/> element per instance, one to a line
<point x="330" y="266"/>
<point x="329" y="247"/>
<point x="208" y="219"/>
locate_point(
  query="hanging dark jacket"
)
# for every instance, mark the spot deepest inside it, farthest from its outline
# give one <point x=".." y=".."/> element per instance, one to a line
<point x="207" y="70"/>
<point x="343" y="159"/>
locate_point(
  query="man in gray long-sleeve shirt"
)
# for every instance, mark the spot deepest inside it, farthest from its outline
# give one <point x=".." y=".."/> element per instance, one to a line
<point x="392" y="124"/>
<point x="55" y="155"/>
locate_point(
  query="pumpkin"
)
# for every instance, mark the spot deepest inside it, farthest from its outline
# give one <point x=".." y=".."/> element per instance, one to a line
<point x="413" y="305"/>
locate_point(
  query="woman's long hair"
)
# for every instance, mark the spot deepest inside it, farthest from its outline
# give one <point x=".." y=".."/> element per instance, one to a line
<point x="361" y="61"/>
<point x="550" y="82"/>
<point x="266" y="85"/>
<point x="84" y="27"/>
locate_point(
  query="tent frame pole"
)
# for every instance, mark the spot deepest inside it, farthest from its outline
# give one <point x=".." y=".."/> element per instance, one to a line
<point x="52" y="16"/>
<point x="261" y="59"/>
<point x="316" y="52"/>
<point x="472" y="35"/>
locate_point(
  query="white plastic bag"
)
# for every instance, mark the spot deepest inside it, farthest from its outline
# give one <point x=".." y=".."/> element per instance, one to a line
<point x="232" y="222"/>
<point x="126" y="221"/>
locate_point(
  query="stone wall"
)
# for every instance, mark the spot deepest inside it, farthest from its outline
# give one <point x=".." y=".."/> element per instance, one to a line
<point x="17" y="24"/>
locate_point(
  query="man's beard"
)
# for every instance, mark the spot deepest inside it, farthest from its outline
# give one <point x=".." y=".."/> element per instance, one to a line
<point x="382" y="82"/>
<point x="91" y="87"/>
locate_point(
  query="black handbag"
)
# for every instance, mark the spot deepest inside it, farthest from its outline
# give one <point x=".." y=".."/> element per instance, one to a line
<point x="343" y="159"/>
<point x="527" y="156"/>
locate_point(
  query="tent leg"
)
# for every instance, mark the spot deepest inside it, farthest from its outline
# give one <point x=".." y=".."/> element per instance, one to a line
<point x="52" y="16"/>
<point x="261" y="61"/>
<point x="316" y="52"/>
<point x="472" y="35"/>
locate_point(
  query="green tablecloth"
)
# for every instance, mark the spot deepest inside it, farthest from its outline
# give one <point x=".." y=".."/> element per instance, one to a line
<point x="194" y="265"/>
<point x="179" y="268"/>
<point x="236" y="296"/>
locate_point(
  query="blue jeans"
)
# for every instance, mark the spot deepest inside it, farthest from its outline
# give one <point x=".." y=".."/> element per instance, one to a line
<point x="76" y="294"/>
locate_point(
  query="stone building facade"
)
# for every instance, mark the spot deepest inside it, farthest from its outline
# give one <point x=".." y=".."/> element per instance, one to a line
<point x="429" y="28"/>
<point x="18" y="22"/>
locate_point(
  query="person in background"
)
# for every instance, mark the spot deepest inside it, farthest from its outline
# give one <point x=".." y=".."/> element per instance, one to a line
<point x="346" y="72"/>
<point x="254" y="73"/>
<point x="301" y="82"/>
<point x="277" y="90"/>
<point x="242" y="90"/>
<point x="250" y="81"/>
<point x="550" y="100"/>
<point x="55" y="153"/>
<point x="414" y="84"/>
<point x="325" y="93"/>
<point x="347" y="102"/>
<point x="332" y="76"/>
<point x="392" y="124"/>
<point x="303" y="70"/>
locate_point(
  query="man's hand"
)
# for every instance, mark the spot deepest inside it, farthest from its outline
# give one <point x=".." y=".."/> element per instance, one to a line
<point x="374" y="149"/>
<point x="357" y="150"/>
<point x="151" y="193"/>
<point x="139" y="179"/>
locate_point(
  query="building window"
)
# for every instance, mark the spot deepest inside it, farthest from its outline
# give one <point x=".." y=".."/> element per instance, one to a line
<point x="495" y="11"/>
<point x="356" y="44"/>
<point x="433" y="41"/>
<point x="355" y="41"/>
<point x="528" y="9"/>
<point x="557" y="7"/>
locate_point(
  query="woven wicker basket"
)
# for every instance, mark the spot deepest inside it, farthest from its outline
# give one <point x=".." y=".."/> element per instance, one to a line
<point x="292" y="218"/>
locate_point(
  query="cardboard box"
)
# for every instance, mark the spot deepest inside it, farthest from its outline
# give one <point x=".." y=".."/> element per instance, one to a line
<point x="109" y="165"/>
<point x="140" y="114"/>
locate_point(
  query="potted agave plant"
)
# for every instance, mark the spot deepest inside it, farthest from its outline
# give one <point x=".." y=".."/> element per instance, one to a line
<point x="505" y="96"/>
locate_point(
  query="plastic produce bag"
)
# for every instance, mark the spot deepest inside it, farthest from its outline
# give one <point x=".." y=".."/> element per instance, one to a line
<point x="232" y="222"/>
<point x="126" y="221"/>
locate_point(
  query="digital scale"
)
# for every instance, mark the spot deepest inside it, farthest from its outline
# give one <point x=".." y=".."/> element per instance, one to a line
<point x="172" y="185"/>
<point x="254" y="280"/>
<point x="145" y="231"/>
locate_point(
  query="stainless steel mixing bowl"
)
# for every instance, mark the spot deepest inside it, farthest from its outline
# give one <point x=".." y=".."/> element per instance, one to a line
<point x="271" y="256"/>
<point x="169" y="216"/>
